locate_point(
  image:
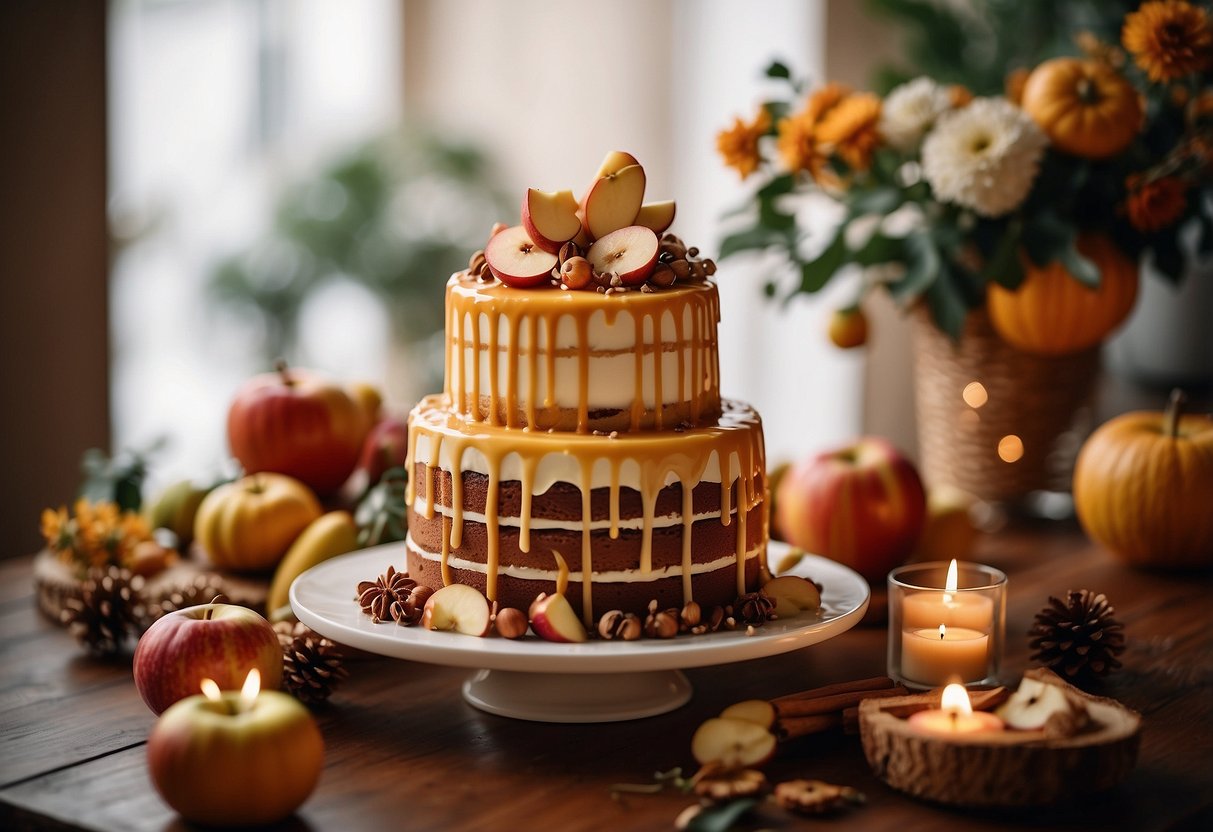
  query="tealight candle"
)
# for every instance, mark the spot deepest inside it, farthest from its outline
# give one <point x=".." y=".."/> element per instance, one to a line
<point x="955" y="716"/>
<point x="936" y="657"/>
<point x="207" y="749"/>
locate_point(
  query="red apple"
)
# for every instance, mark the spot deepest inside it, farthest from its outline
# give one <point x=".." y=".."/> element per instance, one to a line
<point x="516" y="260"/>
<point x="629" y="252"/>
<point x="862" y="505"/>
<point x="615" y="161"/>
<point x="656" y="215"/>
<point x="235" y="762"/>
<point x="386" y="446"/>
<point x="613" y="201"/>
<point x="553" y="619"/>
<point x="298" y="423"/>
<point x="222" y="642"/>
<point x="550" y="218"/>
<point x="458" y="607"/>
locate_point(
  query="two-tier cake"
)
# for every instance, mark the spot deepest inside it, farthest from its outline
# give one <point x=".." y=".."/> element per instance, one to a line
<point x="582" y="415"/>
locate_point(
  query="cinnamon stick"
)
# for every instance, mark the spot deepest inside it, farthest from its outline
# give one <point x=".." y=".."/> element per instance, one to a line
<point x="874" y="683"/>
<point x="790" y="729"/>
<point x="832" y="704"/>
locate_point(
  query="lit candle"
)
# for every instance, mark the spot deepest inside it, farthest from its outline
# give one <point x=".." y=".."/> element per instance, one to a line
<point x="951" y="607"/>
<point x="955" y="716"/>
<point x="937" y="656"/>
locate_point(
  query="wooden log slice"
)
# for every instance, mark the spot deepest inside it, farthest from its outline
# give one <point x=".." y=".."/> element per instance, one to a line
<point x="999" y="769"/>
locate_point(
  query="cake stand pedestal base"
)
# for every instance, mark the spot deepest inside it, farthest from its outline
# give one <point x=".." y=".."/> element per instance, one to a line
<point x="577" y="697"/>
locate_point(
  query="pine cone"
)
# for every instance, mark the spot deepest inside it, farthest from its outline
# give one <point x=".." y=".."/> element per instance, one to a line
<point x="311" y="664"/>
<point x="202" y="589"/>
<point x="393" y="595"/>
<point x="107" y="610"/>
<point x="1077" y="636"/>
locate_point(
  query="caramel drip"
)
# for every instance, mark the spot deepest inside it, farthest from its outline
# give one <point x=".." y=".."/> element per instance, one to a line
<point x="696" y="346"/>
<point x="511" y="369"/>
<point x="446" y="551"/>
<point x="490" y="517"/>
<point x="549" y="393"/>
<point x="524" y="520"/>
<point x="493" y="392"/>
<point x="532" y="370"/>
<point x="614" y="499"/>
<point x="658" y="354"/>
<point x="461" y="374"/>
<point x="681" y="354"/>
<point x="583" y="375"/>
<point x="474" y="407"/>
<point x="456" y="494"/>
<point x="688" y="520"/>
<point x="587" y="562"/>
<point x="741" y="547"/>
<point x="447" y="380"/>
<point x="726" y="500"/>
<point x="638" y="381"/>
<point x="410" y="486"/>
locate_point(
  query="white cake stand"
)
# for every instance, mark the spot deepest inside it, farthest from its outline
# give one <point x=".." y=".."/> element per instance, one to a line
<point x="598" y="681"/>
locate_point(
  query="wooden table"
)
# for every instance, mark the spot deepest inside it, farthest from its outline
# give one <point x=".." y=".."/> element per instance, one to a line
<point x="405" y="752"/>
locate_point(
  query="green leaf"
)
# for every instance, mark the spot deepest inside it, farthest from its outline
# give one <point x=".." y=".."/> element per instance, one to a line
<point x="923" y="267"/>
<point x="817" y="272"/>
<point x="1045" y="235"/>
<point x="946" y="302"/>
<point x="778" y="69"/>
<point x="779" y="186"/>
<point x="1079" y="267"/>
<point x="1004" y="266"/>
<point x="880" y="200"/>
<point x="720" y="818"/>
<point x="750" y="238"/>
<point x="879" y="249"/>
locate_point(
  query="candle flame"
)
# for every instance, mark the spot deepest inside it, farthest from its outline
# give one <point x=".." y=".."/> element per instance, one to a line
<point x="211" y="690"/>
<point x="949" y="586"/>
<point x="252" y="687"/>
<point x="956" y="700"/>
<point x="942" y="631"/>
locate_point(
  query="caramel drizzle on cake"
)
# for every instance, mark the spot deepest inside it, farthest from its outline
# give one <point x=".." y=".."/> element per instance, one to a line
<point x="652" y="459"/>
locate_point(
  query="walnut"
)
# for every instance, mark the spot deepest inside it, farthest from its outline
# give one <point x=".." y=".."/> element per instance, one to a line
<point x="728" y="785"/>
<point x="617" y="624"/>
<point x="814" y="797"/>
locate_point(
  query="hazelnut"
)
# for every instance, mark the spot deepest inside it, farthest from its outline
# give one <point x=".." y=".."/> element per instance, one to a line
<point x="567" y="252"/>
<point x="608" y="622"/>
<point x="662" y="276"/>
<point x="617" y="624"/>
<point x="576" y="273"/>
<point x="709" y="266"/>
<point x="681" y="268"/>
<point x="690" y="615"/>
<point x="661" y="625"/>
<point x="510" y="623"/>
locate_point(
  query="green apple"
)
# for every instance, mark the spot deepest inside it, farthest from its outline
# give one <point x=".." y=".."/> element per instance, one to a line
<point x="175" y="508"/>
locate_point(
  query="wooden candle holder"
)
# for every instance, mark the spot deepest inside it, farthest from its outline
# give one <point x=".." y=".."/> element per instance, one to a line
<point x="999" y="769"/>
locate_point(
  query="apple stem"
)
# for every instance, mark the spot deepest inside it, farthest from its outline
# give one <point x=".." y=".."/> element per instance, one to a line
<point x="1170" y="419"/>
<point x="206" y="616"/>
<point x="284" y="371"/>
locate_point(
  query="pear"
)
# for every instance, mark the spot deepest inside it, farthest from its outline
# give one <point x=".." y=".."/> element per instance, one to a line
<point x="325" y="537"/>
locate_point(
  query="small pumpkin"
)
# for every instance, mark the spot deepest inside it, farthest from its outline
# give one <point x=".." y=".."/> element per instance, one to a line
<point x="1143" y="487"/>
<point x="248" y="525"/>
<point x="1053" y="313"/>
<point x="1085" y="107"/>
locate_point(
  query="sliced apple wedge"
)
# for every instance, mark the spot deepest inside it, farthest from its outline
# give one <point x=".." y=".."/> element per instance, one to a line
<point x="732" y="743"/>
<point x="792" y="594"/>
<point x="516" y="260"/>
<point x="553" y="619"/>
<point x="629" y="252"/>
<point x="550" y="218"/>
<point x="615" y="161"/>
<point x="656" y="215"/>
<point x="758" y="711"/>
<point x="457" y="607"/>
<point x="1036" y="704"/>
<point x="613" y="201"/>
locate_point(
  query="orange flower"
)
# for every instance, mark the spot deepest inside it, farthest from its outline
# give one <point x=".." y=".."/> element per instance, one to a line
<point x="56" y="528"/>
<point x="1156" y="204"/>
<point x="798" y="146"/>
<point x="1200" y="107"/>
<point x="1169" y="39"/>
<point x="824" y="100"/>
<point x="739" y="144"/>
<point x="849" y="129"/>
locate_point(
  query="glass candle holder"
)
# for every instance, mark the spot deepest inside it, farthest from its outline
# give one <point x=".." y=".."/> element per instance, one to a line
<point x="939" y="635"/>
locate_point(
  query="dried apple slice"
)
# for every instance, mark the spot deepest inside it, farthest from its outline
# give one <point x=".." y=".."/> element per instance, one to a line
<point x="732" y="743"/>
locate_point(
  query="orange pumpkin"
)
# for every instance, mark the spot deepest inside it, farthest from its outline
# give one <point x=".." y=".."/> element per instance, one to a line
<point x="1052" y="313"/>
<point x="1143" y="487"/>
<point x="248" y="525"/>
<point x="1085" y="107"/>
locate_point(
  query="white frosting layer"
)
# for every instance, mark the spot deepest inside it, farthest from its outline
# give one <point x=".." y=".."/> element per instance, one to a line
<point x="663" y="522"/>
<point x="621" y="576"/>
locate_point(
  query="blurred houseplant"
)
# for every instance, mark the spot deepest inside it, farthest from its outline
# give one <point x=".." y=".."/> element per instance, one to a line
<point x="1023" y="214"/>
<point x="397" y="216"/>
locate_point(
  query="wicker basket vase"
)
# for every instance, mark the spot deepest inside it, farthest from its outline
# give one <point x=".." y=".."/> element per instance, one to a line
<point x="1026" y="433"/>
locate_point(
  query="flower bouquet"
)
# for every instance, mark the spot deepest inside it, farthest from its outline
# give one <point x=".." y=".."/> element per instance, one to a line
<point x="1026" y="212"/>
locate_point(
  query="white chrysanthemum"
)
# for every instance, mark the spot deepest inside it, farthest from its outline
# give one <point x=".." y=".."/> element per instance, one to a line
<point x="909" y="111"/>
<point x="984" y="157"/>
